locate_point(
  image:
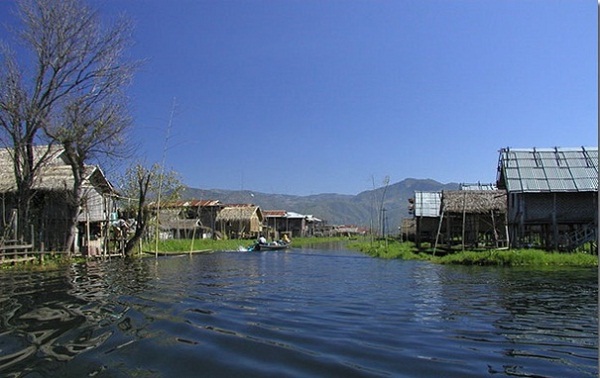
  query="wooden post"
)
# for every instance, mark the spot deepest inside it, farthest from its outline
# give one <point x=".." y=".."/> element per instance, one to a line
<point x="193" y="237"/>
<point x="438" y="232"/>
<point x="463" y="219"/>
<point x="87" y="229"/>
<point x="494" y="227"/>
<point x="554" y="224"/>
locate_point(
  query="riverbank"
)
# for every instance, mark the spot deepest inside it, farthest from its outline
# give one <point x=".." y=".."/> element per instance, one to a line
<point x="47" y="263"/>
<point x="515" y="257"/>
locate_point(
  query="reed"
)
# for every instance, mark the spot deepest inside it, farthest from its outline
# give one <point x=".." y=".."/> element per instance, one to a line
<point x="520" y="257"/>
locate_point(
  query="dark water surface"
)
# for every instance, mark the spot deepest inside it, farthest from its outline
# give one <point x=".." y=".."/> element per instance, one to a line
<point x="302" y="313"/>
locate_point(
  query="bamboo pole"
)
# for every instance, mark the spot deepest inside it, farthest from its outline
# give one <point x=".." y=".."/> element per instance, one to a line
<point x="438" y="232"/>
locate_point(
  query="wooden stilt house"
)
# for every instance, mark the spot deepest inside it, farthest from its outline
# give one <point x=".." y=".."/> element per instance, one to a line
<point x="427" y="209"/>
<point x="552" y="196"/>
<point x="240" y="221"/>
<point x="188" y="219"/>
<point x="52" y="189"/>
<point x="473" y="219"/>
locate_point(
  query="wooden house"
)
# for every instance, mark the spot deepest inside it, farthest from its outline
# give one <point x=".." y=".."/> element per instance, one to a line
<point x="49" y="210"/>
<point x="426" y="208"/>
<point x="473" y="218"/>
<point x="279" y="222"/>
<point x="240" y="221"/>
<point x="187" y="219"/>
<point x="552" y="196"/>
<point x="275" y="223"/>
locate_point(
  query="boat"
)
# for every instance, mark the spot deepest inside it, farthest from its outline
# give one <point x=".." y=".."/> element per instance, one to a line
<point x="178" y="253"/>
<point x="273" y="246"/>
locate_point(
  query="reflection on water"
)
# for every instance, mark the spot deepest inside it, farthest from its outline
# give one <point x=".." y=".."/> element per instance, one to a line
<point x="298" y="313"/>
<point x="52" y="317"/>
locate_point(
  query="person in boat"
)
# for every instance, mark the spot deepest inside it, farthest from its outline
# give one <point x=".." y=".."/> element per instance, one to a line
<point x="262" y="240"/>
<point x="286" y="239"/>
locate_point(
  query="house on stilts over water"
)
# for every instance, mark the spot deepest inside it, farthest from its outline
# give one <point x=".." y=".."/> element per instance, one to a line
<point x="552" y="196"/>
<point x="52" y="188"/>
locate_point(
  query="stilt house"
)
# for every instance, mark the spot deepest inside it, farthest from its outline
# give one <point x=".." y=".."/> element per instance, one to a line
<point x="427" y="209"/>
<point x="188" y="219"/>
<point x="240" y="221"/>
<point x="552" y="196"/>
<point x="52" y="189"/>
<point x="473" y="219"/>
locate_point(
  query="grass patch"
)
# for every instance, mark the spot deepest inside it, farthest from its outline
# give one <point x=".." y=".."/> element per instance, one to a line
<point x="48" y="263"/>
<point x="388" y="250"/>
<point x="516" y="257"/>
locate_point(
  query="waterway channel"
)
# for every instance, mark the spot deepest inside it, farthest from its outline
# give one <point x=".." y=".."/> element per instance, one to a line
<point x="301" y="313"/>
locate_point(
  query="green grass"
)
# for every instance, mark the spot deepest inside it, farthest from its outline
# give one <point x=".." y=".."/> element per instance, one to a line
<point x="48" y="263"/>
<point x="515" y="257"/>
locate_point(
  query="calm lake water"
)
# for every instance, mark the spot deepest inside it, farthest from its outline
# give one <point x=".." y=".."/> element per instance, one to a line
<point x="301" y="313"/>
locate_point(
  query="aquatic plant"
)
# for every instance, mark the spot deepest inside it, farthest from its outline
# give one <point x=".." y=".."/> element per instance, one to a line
<point x="515" y="257"/>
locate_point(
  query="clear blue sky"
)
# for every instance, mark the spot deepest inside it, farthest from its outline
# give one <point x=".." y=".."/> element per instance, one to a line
<point x="318" y="96"/>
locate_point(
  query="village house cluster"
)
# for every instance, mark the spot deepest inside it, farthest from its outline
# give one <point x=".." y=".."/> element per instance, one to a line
<point x="208" y="219"/>
<point x="543" y="198"/>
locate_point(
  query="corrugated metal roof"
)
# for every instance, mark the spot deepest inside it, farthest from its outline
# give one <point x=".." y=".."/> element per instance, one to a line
<point x="189" y="203"/>
<point x="549" y="169"/>
<point x="428" y="204"/>
<point x="274" y="213"/>
<point x="478" y="186"/>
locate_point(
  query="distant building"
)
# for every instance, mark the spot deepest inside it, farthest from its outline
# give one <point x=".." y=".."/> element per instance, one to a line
<point x="240" y="221"/>
<point x="187" y="219"/>
<point x="279" y="222"/>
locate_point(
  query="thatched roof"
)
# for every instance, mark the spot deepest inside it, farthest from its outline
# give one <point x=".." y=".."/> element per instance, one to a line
<point x="473" y="201"/>
<point x="180" y="224"/>
<point x="54" y="175"/>
<point x="237" y="213"/>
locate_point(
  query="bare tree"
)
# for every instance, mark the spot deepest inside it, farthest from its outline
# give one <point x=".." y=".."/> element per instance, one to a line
<point x="73" y="95"/>
<point x="142" y="184"/>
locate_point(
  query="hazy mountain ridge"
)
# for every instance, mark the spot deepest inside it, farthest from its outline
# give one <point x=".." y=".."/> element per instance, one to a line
<point x="334" y="208"/>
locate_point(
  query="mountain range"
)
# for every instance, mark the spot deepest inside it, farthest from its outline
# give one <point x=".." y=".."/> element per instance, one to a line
<point x="362" y="209"/>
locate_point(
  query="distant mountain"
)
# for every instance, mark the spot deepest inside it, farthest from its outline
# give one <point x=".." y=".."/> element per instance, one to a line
<point x="334" y="208"/>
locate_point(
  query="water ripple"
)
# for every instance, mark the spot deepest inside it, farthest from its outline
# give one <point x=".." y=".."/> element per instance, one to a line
<point x="298" y="314"/>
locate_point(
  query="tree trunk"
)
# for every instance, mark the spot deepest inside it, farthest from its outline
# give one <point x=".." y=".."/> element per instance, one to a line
<point x="74" y="208"/>
<point x="142" y="213"/>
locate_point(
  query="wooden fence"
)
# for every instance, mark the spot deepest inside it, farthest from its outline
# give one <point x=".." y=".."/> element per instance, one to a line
<point x="11" y="251"/>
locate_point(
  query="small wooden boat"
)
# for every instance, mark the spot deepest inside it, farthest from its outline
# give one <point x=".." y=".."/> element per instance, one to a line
<point x="178" y="253"/>
<point x="268" y="247"/>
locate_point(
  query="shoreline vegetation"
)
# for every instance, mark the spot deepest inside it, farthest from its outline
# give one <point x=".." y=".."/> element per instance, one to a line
<point x="384" y="249"/>
<point x="392" y="249"/>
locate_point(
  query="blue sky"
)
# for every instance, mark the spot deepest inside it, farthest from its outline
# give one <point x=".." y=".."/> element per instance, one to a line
<point x="328" y="96"/>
